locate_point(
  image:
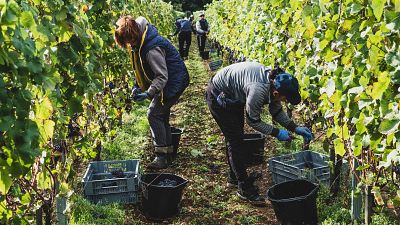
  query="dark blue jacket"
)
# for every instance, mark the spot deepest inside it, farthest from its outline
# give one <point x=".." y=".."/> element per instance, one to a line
<point x="185" y="25"/>
<point x="178" y="76"/>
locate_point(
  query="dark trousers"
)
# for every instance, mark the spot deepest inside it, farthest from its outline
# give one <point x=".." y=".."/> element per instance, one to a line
<point x="231" y="122"/>
<point x="184" y="37"/>
<point x="201" y="42"/>
<point x="158" y="115"/>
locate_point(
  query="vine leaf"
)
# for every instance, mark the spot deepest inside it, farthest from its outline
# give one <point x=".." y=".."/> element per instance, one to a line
<point x="339" y="147"/>
<point x="377" y="7"/>
<point x="389" y="126"/>
<point x="355" y="8"/>
<point x="380" y="87"/>
<point x="27" y="20"/>
<point x="44" y="180"/>
<point x="6" y="122"/>
<point x="5" y="180"/>
<point x="396" y="5"/>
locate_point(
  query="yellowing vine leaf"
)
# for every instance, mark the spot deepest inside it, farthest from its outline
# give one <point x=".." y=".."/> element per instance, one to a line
<point x="380" y="86"/>
<point x="377" y="7"/>
<point x="339" y="147"/>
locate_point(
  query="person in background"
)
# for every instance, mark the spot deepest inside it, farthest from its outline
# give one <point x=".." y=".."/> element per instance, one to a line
<point x="160" y="75"/>
<point x="184" y="31"/>
<point x="202" y="30"/>
<point x="240" y="91"/>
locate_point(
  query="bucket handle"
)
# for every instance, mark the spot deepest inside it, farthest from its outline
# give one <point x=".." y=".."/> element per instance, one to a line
<point x="144" y="190"/>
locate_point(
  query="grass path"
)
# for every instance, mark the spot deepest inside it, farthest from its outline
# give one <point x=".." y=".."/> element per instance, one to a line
<point x="201" y="160"/>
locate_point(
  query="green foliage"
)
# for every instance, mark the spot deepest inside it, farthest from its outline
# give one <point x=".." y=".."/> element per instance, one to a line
<point x="330" y="212"/>
<point x="132" y="137"/>
<point x="85" y="213"/>
<point x="383" y="219"/>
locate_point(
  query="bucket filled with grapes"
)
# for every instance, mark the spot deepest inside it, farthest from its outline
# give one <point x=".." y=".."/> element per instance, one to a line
<point x="161" y="195"/>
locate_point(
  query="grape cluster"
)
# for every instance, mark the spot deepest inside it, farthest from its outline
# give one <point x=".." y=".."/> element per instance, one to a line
<point x="231" y="53"/>
<point x="111" y="85"/>
<point x="118" y="173"/>
<point x="57" y="148"/>
<point x="73" y="130"/>
<point x="232" y="57"/>
<point x="396" y="169"/>
<point x="167" y="183"/>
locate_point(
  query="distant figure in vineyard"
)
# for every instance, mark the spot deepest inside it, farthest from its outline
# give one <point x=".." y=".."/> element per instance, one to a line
<point x="240" y="91"/>
<point x="184" y="31"/>
<point x="202" y="30"/>
<point x="160" y="75"/>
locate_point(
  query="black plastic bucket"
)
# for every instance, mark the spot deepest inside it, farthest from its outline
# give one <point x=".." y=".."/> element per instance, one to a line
<point x="176" y="137"/>
<point x="161" y="202"/>
<point x="253" y="145"/>
<point x="294" y="202"/>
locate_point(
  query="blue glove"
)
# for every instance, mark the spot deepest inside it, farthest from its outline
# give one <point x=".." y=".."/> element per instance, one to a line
<point x="141" y="96"/>
<point x="225" y="102"/>
<point x="283" y="135"/>
<point x="221" y="100"/>
<point x="135" y="91"/>
<point x="305" y="132"/>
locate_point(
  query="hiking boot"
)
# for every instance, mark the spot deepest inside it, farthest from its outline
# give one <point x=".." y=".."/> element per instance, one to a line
<point x="233" y="182"/>
<point x="252" y="197"/>
<point x="159" y="162"/>
<point x="247" y="191"/>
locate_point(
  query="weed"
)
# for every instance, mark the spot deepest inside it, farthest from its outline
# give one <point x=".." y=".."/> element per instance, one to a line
<point x="132" y="137"/>
<point x="85" y="213"/>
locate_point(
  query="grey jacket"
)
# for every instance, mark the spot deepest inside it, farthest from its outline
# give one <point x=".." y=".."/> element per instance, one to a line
<point x="249" y="83"/>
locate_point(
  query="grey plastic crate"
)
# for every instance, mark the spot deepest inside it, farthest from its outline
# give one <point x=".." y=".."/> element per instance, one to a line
<point x="100" y="186"/>
<point x="214" y="65"/>
<point x="308" y="165"/>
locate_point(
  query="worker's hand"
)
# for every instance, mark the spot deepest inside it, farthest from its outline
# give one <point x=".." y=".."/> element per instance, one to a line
<point x="283" y="135"/>
<point x="135" y="91"/>
<point x="305" y="132"/>
<point x="141" y="97"/>
<point x="221" y="100"/>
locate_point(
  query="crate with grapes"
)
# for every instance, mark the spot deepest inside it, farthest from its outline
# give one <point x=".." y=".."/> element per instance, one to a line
<point x="112" y="181"/>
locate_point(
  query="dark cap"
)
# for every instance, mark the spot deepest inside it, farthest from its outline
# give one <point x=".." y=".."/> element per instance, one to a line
<point x="288" y="86"/>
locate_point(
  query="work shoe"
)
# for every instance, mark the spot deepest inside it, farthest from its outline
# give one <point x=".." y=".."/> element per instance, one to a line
<point x="253" y="198"/>
<point x="159" y="162"/>
<point x="250" y="194"/>
<point x="233" y="182"/>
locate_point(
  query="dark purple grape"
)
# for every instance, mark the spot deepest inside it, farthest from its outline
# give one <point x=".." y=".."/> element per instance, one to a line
<point x="396" y="169"/>
<point x="73" y="130"/>
<point x="57" y="147"/>
<point x="118" y="173"/>
<point x="111" y="85"/>
<point x="167" y="183"/>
